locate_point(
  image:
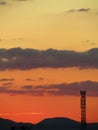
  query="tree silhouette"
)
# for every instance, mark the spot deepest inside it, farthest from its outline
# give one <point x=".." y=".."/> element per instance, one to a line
<point x="13" y="128"/>
<point x="22" y="127"/>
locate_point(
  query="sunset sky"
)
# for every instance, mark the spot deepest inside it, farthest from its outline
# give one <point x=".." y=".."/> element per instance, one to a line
<point x="48" y="53"/>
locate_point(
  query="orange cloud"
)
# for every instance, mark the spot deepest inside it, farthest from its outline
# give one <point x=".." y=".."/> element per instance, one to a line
<point x="13" y="114"/>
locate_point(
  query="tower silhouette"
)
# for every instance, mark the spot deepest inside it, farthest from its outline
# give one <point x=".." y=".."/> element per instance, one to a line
<point x="83" y="110"/>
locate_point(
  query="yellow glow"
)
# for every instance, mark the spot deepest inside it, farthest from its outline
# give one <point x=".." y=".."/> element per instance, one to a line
<point x="46" y="24"/>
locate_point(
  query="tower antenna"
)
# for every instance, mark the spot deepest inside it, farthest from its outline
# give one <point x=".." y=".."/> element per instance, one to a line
<point x="83" y="109"/>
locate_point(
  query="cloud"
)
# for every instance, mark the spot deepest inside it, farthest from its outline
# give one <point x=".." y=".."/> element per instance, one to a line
<point x="9" y="2"/>
<point x="79" y="10"/>
<point x="55" y="90"/>
<point x="5" y="79"/>
<point x="7" y="84"/>
<point x="3" y="3"/>
<point x="13" y="114"/>
<point x="74" y="88"/>
<point x="28" y="79"/>
<point x="90" y="42"/>
<point x="84" y="10"/>
<point x="27" y="87"/>
<point x="41" y="78"/>
<point x="26" y="59"/>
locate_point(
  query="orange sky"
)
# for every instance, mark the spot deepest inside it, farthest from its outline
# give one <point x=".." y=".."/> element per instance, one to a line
<point x="44" y="24"/>
<point x="43" y="107"/>
<point x="49" y="76"/>
<point x="34" y="108"/>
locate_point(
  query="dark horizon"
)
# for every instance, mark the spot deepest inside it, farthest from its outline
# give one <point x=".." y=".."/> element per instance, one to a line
<point x="49" y="123"/>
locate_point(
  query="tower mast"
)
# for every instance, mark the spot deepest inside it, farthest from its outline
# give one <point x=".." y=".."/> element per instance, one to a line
<point x="83" y="107"/>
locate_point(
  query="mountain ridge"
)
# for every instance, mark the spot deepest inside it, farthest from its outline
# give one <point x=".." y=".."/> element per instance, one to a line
<point x="57" y="123"/>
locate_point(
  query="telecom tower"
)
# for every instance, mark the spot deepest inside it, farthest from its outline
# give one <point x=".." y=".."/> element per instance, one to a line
<point x="83" y="109"/>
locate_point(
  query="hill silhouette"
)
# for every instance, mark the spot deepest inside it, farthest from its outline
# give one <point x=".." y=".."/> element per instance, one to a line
<point x="58" y="123"/>
<point x="6" y="124"/>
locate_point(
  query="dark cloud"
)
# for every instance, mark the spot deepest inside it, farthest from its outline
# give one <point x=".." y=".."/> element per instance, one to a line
<point x="5" y="79"/>
<point x="3" y="89"/>
<point x="7" y="2"/>
<point x="25" y="59"/>
<point x="29" y="79"/>
<point x="7" y="84"/>
<point x="3" y="3"/>
<point x="22" y="91"/>
<point x="41" y="78"/>
<point x="71" y="10"/>
<point x="56" y="90"/>
<point x="84" y="9"/>
<point x="74" y="88"/>
<point x="27" y="87"/>
<point x="79" y="10"/>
